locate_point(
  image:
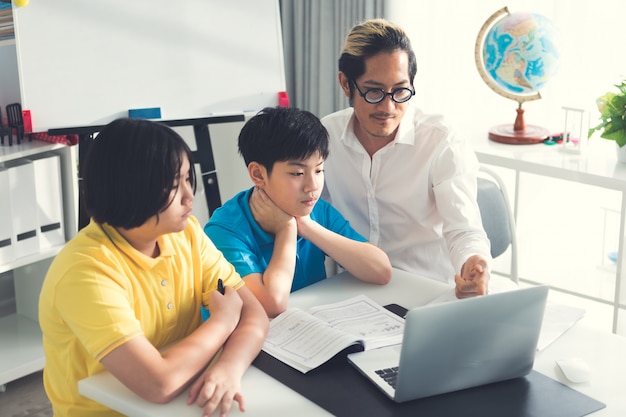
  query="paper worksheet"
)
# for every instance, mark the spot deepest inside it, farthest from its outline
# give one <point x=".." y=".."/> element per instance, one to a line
<point x="305" y="340"/>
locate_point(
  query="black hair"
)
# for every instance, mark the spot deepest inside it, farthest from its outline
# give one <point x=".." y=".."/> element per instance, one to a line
<point x="371" y="38"/>
<point x="130" y="170"/>
<point x="277" y="134"/>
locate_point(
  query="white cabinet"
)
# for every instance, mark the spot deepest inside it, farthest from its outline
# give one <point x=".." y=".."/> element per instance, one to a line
<point x="21" y="351"/>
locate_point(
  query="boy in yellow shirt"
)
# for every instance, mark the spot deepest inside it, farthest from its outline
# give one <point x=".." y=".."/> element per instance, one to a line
<point x="131" y="283"/>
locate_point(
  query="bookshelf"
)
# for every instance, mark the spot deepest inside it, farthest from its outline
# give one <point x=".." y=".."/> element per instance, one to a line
<point x="21" y="351"/>
<point x="6" y="22"/>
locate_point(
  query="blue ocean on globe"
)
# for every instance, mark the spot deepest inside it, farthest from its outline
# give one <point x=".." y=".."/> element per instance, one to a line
<point x="520" y="52"/>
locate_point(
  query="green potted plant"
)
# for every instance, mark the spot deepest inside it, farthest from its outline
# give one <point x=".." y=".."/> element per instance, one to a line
<point x="612" y="107"/>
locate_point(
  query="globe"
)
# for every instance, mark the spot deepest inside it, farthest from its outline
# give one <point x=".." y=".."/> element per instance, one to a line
<point x="516" y="55"/>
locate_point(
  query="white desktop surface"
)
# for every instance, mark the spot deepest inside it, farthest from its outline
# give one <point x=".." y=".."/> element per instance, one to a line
<point x="264" y="396"/>
<point x="604" y="352"/>
<point x="597" y="165"/>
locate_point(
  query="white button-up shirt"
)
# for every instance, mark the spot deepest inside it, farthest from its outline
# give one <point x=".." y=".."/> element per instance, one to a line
<point x="415" y="198"/>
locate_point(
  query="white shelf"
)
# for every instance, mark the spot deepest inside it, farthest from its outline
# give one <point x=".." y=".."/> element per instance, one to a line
<point x="27" y="260"/>
<point x="21" y="348"/>
<point x="26" y="149"/>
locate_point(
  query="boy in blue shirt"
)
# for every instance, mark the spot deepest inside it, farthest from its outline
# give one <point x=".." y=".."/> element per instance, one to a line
<point x="278" y="233"/>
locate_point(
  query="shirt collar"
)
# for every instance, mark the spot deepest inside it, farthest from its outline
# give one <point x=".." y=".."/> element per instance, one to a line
<point x="406" y="130"/>
<point x="405" y="134"/>
<point x="165" y="247"/>
<point x="262" y="237"/>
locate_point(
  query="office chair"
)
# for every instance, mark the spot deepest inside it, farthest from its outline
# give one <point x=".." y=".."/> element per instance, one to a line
<point x="5" y="131"/>
<point x="497" y="216"/>
<point x="14" y="115"/>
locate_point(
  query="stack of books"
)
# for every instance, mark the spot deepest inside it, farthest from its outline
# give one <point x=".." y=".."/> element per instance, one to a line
<point x="6" y="21"/>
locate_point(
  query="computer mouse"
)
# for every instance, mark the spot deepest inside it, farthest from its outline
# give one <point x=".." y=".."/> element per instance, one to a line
<point x="576" y="370"/>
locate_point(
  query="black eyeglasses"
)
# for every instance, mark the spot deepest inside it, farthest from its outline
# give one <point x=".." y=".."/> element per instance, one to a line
<point x="376" y="95"/>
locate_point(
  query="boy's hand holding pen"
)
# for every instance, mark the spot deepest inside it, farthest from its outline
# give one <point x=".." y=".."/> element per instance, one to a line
<point x="225" y="306"/>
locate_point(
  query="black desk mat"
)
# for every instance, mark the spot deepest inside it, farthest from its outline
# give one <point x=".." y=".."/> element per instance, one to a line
<point x="342" y="391"/>
<point x="338" y="388"/>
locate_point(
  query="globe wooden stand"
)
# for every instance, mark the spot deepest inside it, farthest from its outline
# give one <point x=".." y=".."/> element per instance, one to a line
<point x="519" y="133"/>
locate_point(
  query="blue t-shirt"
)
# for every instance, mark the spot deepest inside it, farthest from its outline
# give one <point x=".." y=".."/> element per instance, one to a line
<point x="234" y="231"/>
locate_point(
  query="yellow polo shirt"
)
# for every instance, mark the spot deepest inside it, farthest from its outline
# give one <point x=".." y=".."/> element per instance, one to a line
<point x="100" y="292"/>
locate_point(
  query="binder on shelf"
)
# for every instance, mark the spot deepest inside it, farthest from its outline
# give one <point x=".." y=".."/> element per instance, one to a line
<point x="24" y="208"/>
<point x="6" y="224"/>
<point x="49" y="196"/>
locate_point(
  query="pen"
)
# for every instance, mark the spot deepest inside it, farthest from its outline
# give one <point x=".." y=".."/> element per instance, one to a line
<point x="220" y="286"/>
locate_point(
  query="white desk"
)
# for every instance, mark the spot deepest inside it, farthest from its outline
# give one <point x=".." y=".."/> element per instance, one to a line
<point x="604" y="352"/>
<point x="596" y="166"/>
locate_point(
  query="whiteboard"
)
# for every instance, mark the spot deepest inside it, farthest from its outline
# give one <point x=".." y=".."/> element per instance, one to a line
<point x="84" y="63"/>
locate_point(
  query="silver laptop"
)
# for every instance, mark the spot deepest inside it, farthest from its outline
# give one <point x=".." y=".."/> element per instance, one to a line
<point x="459" y="344"/>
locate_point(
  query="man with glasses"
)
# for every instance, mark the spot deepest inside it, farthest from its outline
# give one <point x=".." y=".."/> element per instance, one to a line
<point x="401" y="177"/>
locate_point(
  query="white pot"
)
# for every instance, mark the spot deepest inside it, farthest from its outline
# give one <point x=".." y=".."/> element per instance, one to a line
<point x="621" y="153"/>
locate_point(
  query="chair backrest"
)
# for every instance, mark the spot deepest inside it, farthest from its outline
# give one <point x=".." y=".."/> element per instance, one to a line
<point x="2" y="124"/>
<point x="14" y="114"/>
<point x="16" y="121"/>
<point x="5" y="130"/>
<point x="497" y="216"/>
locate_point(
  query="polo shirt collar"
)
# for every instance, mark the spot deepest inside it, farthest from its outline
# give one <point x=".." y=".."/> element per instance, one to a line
<point x="261" y="236"/>
<point x="143" y="261"/>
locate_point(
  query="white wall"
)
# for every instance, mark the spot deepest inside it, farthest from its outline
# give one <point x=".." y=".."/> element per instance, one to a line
<point x="10" y="85"/>
<point x="443" y="34"/>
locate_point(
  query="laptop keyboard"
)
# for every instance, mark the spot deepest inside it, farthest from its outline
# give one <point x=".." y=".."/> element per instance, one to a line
<point x="390" y="375"/>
